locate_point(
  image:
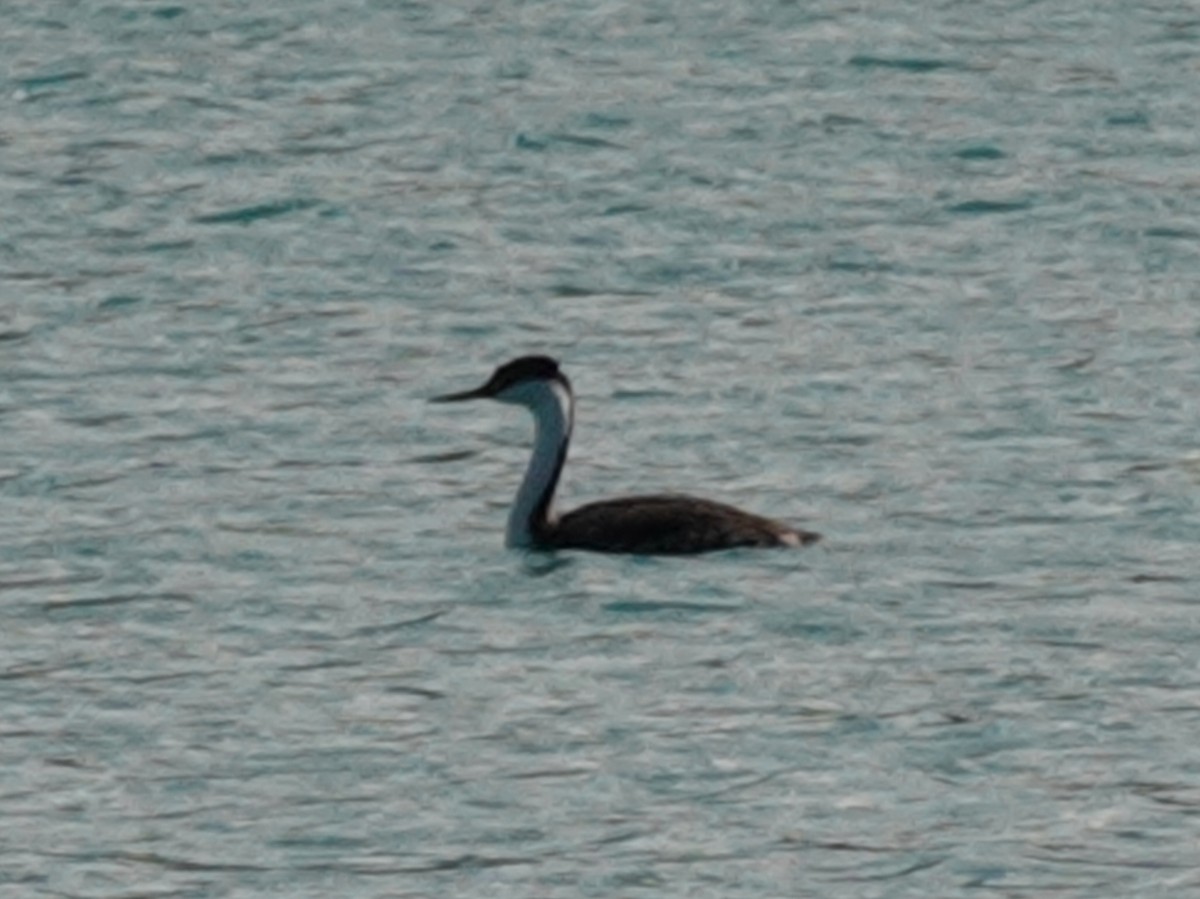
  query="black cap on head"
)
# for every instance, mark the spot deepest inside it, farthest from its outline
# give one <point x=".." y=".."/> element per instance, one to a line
<point x="526" y="368"/>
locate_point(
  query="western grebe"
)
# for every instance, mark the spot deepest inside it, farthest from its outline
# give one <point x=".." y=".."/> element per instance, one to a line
<point x="657" y="524"/>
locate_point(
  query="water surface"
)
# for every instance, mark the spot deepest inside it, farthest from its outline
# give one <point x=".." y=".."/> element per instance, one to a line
<point x="922" y="278"/>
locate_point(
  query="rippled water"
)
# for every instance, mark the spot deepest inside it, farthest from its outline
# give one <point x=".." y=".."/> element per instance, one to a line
<point x="922" y="277"/>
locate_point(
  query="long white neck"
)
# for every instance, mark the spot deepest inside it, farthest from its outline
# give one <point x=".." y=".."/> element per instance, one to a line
<point x="553" y="416"/>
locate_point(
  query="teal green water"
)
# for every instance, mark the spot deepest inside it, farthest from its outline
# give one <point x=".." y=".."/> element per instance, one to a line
<point x="921" y="277"/>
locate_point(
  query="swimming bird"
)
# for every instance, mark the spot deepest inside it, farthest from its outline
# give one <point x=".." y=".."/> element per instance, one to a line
<point x="655" y="524"/>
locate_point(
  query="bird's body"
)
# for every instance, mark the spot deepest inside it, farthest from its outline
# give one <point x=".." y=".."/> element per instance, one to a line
<point x="668" y="524"/>
<point x="656" y="524"/>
